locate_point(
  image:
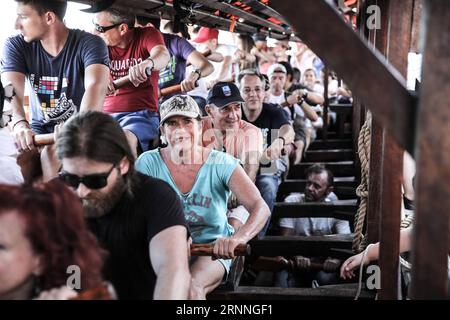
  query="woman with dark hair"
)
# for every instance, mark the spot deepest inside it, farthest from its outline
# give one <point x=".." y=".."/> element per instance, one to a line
<point x="42" y="234"/>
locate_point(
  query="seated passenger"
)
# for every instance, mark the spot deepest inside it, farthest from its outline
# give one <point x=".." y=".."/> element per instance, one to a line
<point x="224" y="130"/>
<point x="276" y="130"/>
<point x="42" y="234"/>
<point x="299" y="112"/>
<point x="137" y="219"/>
<point x="203" y="179"/>
<point x="319" y="188"/>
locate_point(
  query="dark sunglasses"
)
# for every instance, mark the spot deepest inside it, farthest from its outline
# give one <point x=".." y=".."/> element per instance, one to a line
<point x="101" y="29"/>
<point x="91" y="181"/>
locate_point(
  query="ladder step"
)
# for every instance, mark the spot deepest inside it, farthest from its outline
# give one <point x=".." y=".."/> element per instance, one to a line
<point x="339" y="169"/>
<point x="335" y="135"/>
<point x="272" y="246"/>
<point x="345" y="291"/>
<point x="344" y="187"/>
<point x="341" y="209"/>
<point x="320" y="144"/>
<point x="329" y="155"/>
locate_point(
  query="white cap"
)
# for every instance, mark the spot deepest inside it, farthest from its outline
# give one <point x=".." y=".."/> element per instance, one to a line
<point x="276" y="67"/>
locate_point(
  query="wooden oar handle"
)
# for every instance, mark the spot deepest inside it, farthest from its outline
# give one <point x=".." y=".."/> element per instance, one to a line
<point x="119" y="83"/>
<point x="44" y="139"/>
<point x="207" y="250"/>
<point x="316" y="266"/>
<point x="171" y="90"/>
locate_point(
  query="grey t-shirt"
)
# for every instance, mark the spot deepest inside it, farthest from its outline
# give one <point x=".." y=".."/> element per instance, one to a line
<point x="55" y="84"/>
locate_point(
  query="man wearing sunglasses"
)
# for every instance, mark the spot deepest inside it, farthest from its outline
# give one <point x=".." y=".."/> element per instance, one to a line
<point x="66" y="70"/>
<point x="133" y="51"/>
<point x="139" y="220"/>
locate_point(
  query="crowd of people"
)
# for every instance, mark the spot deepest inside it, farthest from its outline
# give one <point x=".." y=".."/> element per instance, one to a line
<point x="160" y="142"/>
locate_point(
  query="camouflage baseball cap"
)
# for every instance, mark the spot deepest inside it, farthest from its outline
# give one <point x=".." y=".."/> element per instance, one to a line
<point x="181" y="105"/>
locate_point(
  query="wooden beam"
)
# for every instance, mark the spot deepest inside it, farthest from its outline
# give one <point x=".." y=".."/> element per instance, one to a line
<point x="340" y="209"/>
<point x="258" y="6"/>
<point x="344" y="187"/>
<point x="331" y="292"/>
<point x="339" y="169"/>
<point x="329" y="155"/>
<point x="415" y="31"/>
<point x="236" y="11"/>
<point x="400" y="17"/>
<point x="202" y="16"/>
<point x="342" y="192"/>
<point x="331" y="144"/>
<point x="272" y="246"/>
<point x="358" y="121"/>
<point x="375" y="183"/>
<point x="372" y="79"/>
<point x="326" y="103"/>
<point x="431" y="229"/>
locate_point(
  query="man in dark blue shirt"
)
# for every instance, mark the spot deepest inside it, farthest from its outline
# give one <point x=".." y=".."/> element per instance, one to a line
<point x="67" y="70"/>
<point x="277" y="132"/>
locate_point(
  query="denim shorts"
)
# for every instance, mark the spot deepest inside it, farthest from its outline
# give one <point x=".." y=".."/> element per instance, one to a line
<point x="144" y="124"/>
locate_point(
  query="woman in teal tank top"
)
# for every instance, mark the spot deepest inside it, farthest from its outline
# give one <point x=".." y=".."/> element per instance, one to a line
<point x="204" y="179"/>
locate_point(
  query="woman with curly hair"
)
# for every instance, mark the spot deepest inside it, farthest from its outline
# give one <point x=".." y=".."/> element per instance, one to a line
<point x="42" y="233"/>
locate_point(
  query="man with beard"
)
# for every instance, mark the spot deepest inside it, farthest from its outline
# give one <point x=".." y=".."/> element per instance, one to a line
<point x="139" y="220"/>
<point x="319" y="188"/>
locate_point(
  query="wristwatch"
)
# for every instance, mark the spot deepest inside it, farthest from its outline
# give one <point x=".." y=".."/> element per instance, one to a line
<point x="199" y="72"/>
<point x="305" y="95"/>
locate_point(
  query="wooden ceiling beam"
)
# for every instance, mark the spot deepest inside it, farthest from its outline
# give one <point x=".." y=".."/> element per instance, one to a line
<point x="379" y="85"/>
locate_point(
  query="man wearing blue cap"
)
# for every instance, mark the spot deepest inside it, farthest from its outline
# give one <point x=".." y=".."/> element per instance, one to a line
<point x="224" y="130"/>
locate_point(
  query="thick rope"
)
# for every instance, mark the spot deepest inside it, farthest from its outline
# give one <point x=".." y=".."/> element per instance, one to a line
<point x="359" y="240"/>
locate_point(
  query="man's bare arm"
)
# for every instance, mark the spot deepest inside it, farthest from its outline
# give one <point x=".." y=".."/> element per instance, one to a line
<point x="169" y="257"/>
<point x="96" y="80"/>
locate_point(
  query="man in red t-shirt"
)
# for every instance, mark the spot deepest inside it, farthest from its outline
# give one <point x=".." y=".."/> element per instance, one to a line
<point x="131" y="51"/>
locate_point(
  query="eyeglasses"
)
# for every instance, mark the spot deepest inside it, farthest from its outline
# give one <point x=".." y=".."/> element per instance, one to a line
<point x="247" y="91"/>
<point x="91" y="181"/>
<point x="101" y="29"/>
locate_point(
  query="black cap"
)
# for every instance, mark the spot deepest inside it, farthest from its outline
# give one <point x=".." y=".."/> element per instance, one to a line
<point x="224" y="93"/>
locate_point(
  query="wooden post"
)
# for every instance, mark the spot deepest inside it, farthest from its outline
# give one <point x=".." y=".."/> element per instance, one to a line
<point x="415" y="30"/>
<point x="375" y="182"/>
<point x="358" y="120"/>
<point x="431" y="229"/>
<point x="379" y="38"/>
<point x="400" y="17"/>
<point x="325" y="104"/>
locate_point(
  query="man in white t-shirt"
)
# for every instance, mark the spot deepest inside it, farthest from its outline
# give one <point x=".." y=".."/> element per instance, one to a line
<point x="299" y="112"/>
<point x="319" y="188"/>
<point x="209" y="40"/>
